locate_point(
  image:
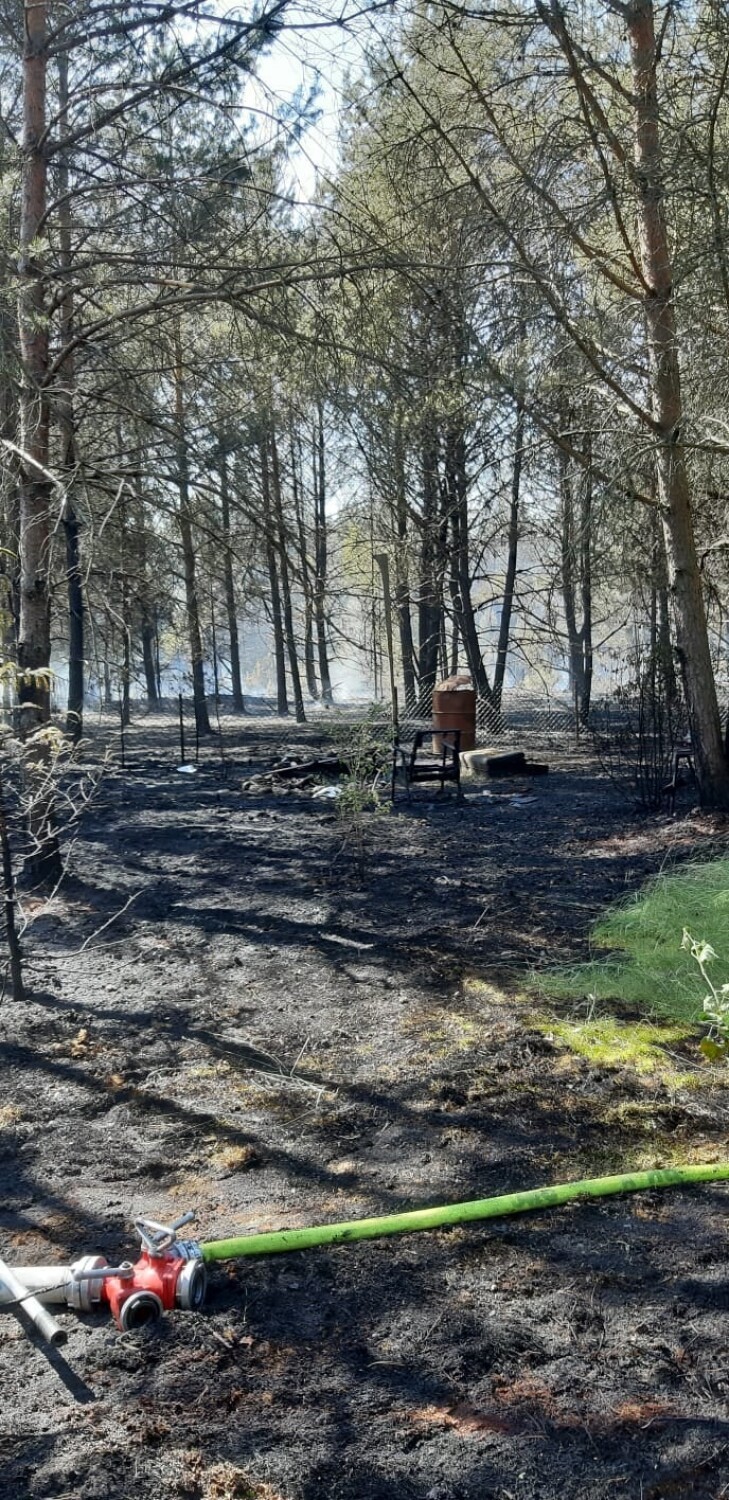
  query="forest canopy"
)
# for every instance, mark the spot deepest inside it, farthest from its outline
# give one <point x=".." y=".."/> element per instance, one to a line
<point x="479" y="327"/>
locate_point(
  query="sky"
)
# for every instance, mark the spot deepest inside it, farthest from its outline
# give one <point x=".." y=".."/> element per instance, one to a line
<point x="315" y="50"/>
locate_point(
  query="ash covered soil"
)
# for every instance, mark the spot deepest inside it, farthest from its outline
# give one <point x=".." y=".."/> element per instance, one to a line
<point x="273" y="1036"/>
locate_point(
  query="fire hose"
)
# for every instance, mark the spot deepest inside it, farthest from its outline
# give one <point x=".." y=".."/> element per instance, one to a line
<point x="172" y="1273"/>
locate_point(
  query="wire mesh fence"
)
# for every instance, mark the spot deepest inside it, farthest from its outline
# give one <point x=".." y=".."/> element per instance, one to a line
<point x="530" y="717"/>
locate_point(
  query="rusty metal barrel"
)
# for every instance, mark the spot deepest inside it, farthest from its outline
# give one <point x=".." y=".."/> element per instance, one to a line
<point x="454" y="707"/>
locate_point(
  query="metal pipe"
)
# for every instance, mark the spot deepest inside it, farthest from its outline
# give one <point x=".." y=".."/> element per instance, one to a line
<point x="13" y="1291"/>
<point x="281" y="1240"/>
<point x="49" y="1283"/>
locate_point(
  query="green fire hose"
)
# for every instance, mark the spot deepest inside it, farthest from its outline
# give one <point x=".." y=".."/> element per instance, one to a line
<point x="280" y="1240"/>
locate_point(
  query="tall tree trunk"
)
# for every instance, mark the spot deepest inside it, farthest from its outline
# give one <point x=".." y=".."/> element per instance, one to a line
<point x="157" y="663"/>
<point x="230" y="604"/>
<point x="148" y="624"/>
<point x="76" y="612"/>
<point x="586" y="583"/>
<point x="374" y="610"/>
<point x="279" y="648"/>
<point x="450" y="658"/>
<point x="126" y="667"/>
<point x="202" y="719"/>
<point x="126" y="678"/>
<point x="108" y="649"/>
<point x="665" y="644"/>
<point x="9" y="502"/>
<point x="148" y="661"/>
<point x="430" y="606"/>
<point x="7" y="883"/>
<point x="8" y="631"/>
<point x="34" y="635"/>
<point x="306" y="584"/>
<point x="457" y="483"/>
<point x="214" y="647"/>
<point x="184" y="518"/>
<point x="288" y="613"/>
<point x="661" y="645"/>
<point x="445" y="569"/>
<point x="402" y="583"/>
<point x="67" y="429"/>
<point x="569" y="586"/>
<point x="674" y="496"/>
<point x="512" y="553"/>
<point x="320" y="556"/>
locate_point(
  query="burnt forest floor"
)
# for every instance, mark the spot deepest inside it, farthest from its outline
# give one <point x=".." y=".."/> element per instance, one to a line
<point x="274" y="1036"/>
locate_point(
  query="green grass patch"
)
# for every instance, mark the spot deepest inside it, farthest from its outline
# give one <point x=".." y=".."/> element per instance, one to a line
<point x="646" y="966"/>
<point x="612" y="1043"/>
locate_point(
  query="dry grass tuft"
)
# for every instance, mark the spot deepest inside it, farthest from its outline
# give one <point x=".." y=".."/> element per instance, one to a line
<point x="226" y="1482"/>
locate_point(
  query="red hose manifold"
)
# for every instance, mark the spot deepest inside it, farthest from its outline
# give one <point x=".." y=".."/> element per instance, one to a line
<point x="169" y="1273"/>
<point x="156" y="1284"/>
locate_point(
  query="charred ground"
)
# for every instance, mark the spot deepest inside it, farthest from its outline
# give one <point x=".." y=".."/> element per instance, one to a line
<point x="274" y="1036"/>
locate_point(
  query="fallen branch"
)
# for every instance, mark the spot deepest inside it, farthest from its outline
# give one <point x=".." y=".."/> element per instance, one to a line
<point x="329" y="765"/>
